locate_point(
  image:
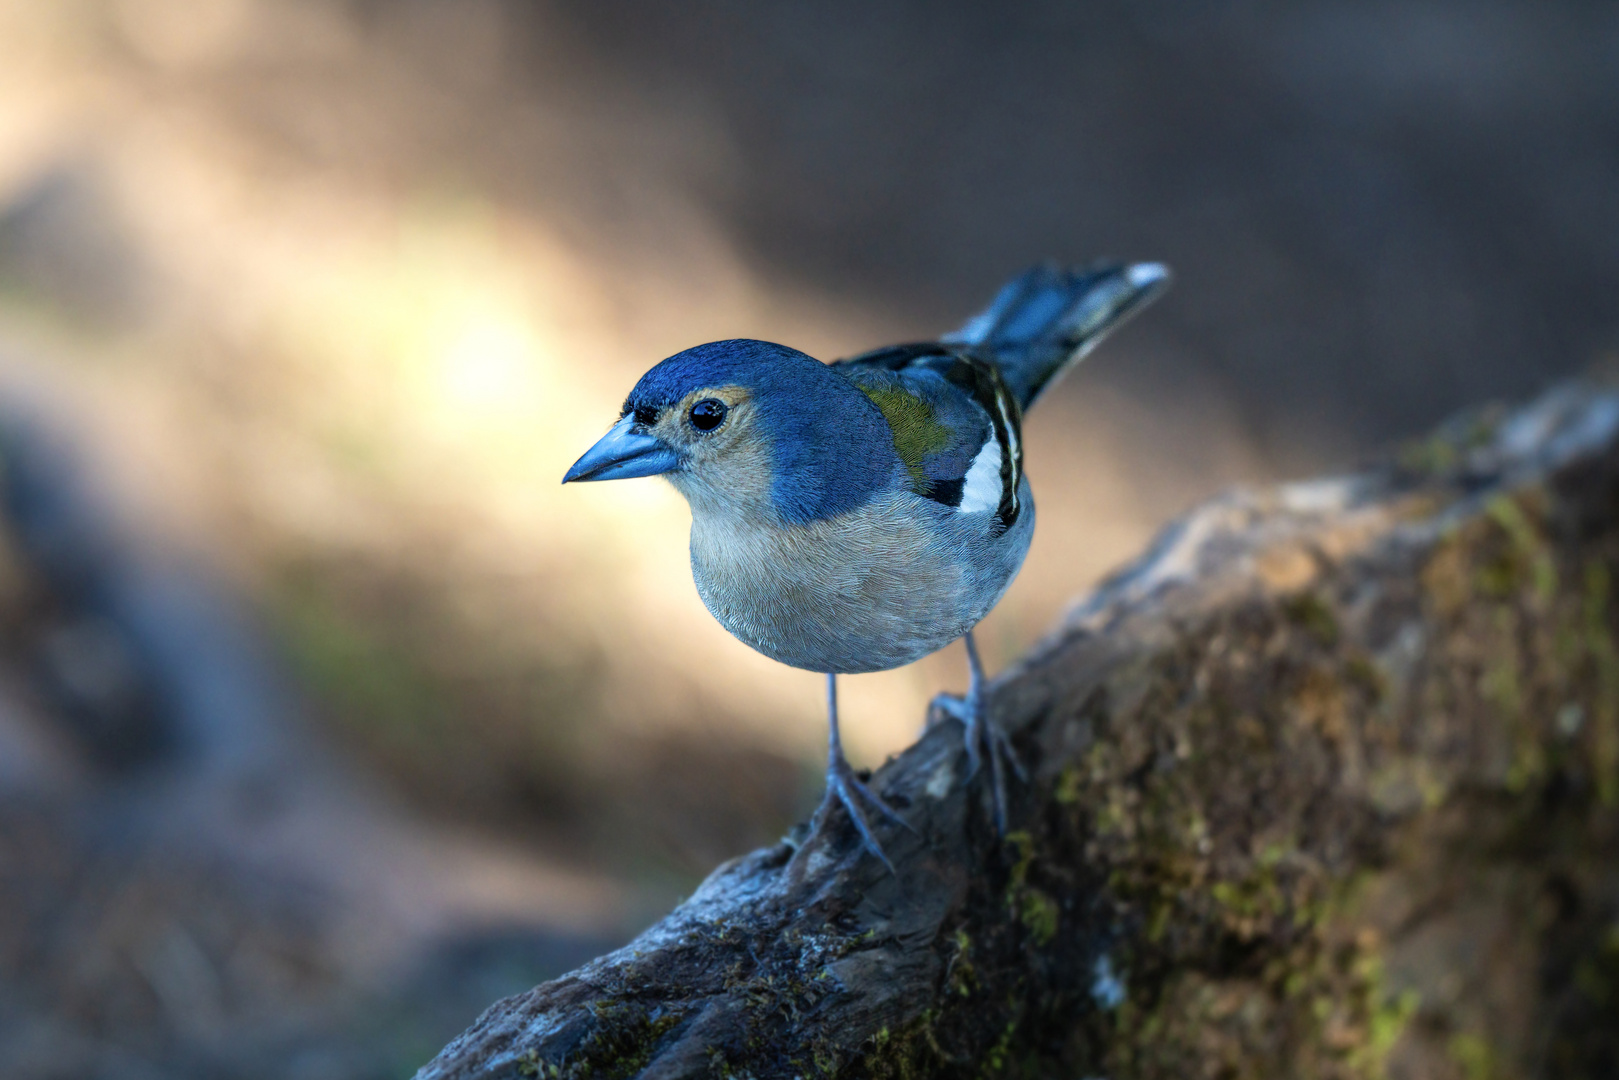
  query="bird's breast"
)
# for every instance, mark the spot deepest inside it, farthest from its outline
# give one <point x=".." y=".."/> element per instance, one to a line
<point x="867" y="590"/>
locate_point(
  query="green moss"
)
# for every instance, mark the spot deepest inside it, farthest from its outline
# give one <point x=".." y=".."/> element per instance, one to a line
<point x="1039" y="914"/>
<point x="1446" y="576"/>
<point x="1361" y="672"/>
<point x="626" y="1037"/>
<point x="1446" y="448"/>
<point x="1430" y="456"/>
<point x="1311" y="613"/>
<point x="911" y="1053"/>
<point x="961" y="978"/>
<point x="1035" y="909"/>
<point x="1474" y="1055"/>
<point x="1388" y="1016"/>
<point x="1250" y="902"/>
<point x="1320" y="1010"/>
<point x="1532" y="561"/>
<point x="1320" y="1006"/>
<point x="996" y="1059"/>
<point x="1604" y="659"/>
<point x="1273" y="965"/>
<point x="1158" y="921"/>
<point x="1020" y="841"/>
<point x="1069" y="785"/>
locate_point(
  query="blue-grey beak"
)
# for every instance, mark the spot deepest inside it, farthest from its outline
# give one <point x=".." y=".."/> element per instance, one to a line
<point x="622" y="453"/>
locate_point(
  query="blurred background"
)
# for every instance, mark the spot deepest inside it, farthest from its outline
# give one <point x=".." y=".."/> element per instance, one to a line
<point x="327" y="716"/>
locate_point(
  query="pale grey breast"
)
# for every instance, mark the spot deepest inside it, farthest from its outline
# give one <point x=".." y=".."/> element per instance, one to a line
<point x="873" y="589"/>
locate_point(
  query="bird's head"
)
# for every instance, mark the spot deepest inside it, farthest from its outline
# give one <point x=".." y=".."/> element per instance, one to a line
<point x="749" y="429"/>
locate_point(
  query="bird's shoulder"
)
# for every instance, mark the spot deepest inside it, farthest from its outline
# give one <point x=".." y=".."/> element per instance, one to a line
<point x="956" y="426"/>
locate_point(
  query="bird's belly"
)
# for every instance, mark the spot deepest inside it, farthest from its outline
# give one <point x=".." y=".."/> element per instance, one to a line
<point x="865" y="592"/>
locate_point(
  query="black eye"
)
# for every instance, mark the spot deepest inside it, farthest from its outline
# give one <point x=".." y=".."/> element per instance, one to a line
<point x="708" y="414"/>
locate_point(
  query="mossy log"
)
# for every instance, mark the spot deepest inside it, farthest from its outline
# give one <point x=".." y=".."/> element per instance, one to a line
<point x="1325" y="785"/>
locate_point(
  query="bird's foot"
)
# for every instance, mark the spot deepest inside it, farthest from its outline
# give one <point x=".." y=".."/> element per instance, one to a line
<point x="983" y="737"/>
<point x="845" y="787"/>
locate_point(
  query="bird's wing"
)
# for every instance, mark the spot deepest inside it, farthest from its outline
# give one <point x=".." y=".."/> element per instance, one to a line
<point x="956" y="426"/>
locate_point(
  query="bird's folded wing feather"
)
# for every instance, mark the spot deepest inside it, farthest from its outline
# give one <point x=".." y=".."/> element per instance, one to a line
<point x="956" y="427"/>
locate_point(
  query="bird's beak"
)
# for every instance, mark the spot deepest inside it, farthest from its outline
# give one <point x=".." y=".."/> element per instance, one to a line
<point x="622" y="453"/>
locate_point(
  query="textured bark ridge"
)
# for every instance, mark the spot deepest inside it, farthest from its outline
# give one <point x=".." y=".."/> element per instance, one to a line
<point x="1326" y="785"/>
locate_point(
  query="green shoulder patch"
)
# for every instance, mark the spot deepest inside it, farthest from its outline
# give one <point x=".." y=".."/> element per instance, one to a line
<point x="917" y="431"/>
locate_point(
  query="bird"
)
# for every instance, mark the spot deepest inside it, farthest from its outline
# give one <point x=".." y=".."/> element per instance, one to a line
<point x="855" y="516"/>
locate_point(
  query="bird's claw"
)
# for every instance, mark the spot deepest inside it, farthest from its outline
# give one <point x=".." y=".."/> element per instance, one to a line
<point x="843" y="786"/>
<point x="983" y="736"/>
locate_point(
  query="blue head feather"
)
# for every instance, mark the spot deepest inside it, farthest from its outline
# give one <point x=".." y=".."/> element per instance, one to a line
<point x="830" y="447"/>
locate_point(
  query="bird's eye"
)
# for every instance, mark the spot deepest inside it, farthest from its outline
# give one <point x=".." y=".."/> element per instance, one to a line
<point x="708" y="414"/>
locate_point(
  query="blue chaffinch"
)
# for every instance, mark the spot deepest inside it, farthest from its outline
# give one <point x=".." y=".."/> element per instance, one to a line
<point x="856" y="516"/>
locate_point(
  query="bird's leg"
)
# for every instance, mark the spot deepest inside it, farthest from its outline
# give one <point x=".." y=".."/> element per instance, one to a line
<point x="843" y="786"/>
<point x="981" y="733"/>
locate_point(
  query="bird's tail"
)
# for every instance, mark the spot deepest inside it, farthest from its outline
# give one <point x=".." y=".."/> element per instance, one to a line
<point x="1047" y="320"/>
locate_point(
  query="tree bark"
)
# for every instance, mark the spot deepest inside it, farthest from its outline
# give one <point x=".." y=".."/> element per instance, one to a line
<point x="1325" y="785"/>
